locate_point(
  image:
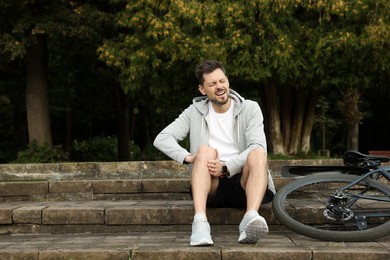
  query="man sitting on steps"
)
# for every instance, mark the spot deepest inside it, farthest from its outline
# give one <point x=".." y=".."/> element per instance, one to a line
<point x="227" y="153"/>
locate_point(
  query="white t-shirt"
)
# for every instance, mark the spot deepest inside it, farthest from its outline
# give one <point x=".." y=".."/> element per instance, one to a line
<point x="221" y="133"/>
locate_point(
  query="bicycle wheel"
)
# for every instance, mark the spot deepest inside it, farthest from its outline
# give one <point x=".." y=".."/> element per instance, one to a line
<point x="302" y="207"/>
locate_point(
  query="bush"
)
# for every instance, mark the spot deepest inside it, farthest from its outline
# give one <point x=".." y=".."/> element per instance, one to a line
<point x="98" y="149"/>
<point x="41" y="154"/>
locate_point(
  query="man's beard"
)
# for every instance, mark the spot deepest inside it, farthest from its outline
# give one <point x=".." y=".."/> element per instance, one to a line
<point x="220" y="102"/>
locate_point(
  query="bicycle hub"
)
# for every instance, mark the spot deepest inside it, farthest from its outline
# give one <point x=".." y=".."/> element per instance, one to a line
<point x="336" y="210"/>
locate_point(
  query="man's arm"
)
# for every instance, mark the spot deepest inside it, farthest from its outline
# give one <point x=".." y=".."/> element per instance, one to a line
<point x="167" y="140"/>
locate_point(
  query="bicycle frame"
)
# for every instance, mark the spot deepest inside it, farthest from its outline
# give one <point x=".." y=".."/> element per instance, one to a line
<point x="352" y="198"/>
<point x="382" y="171"/>
<point x="377" y="173"/>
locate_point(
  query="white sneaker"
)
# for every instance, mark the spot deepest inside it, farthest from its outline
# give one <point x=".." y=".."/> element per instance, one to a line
<point x="252" y="228"/>
<point x="201" y="232"/>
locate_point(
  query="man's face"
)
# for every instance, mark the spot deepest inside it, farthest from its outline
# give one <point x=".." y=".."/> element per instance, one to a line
<point x="216" y="87"/>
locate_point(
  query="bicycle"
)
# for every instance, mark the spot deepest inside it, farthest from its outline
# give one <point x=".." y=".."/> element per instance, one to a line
<point x="349" y="203"/>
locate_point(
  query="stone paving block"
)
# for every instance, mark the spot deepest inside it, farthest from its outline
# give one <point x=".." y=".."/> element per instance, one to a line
<point x="138" y="215"/>
<point x="111" y="229"/>
<point x="28" y="214"/>
<point x="31" y="229"/>
<point x="269" y="253"/>
<point x="78" y="167"/>
<point x="175" y="245"/>
<point x="185" y="253"/>
<point x="165" y="185"/>
<point x="223" y="216"/>
<point x="84" y="255"/>
<point x="70" y="196"/>
<point x="6" y="214"/>
<point x="70" y="186"/>
<point x="22" y="198"/>
<point x="164" y="169"/>
<point x="23" y="188"/>
<point x="167" y="196"/>
<point x="131" y="169"/>
<point x="365" y="253"/>
<point x="118" y="196"/>
<point x="116" y="186"/>
<point x="72" y="215"/>
<point x="182" y="215"/>
<point x="6" y="254"/>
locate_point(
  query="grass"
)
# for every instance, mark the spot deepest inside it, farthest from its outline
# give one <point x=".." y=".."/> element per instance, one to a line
<point x="298" y="157"/>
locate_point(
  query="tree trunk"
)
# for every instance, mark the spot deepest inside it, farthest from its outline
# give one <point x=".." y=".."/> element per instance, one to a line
<point x="290" y="132"/>
<point x="353" y="116"/>
<point x="297" y="124"/>
<point x="287" y="105"/>
<point x="122" y="106"/>
<point x="37" y="102"/>
<point x="309" y="121"/>
<point x="274" y="126"/>
<point x="353" y="137"/>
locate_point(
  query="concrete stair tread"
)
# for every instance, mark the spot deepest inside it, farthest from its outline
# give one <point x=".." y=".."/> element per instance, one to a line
<point x="106" y="212"/>
<point x="100" y="189"/>
<point x="175" y="245"/>
<point x="137" y="210"/>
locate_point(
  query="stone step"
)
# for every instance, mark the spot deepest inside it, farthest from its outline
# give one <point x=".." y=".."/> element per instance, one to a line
<point x="124" y="170"/>
<point x="175" y="245"/>
<point x="137" y="210"/>
<point x="129" y="216"/>
<point x="110" y="181"/>
<point x="113" y="216"/>
<point x="106" y="189"/>
<point x="111" y="189"/>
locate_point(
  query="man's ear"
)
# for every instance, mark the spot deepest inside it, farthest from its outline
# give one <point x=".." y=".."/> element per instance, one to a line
<point x="201" y="90"/>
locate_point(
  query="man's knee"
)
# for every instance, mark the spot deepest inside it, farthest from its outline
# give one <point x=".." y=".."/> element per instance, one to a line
<point x="205" y="152"/>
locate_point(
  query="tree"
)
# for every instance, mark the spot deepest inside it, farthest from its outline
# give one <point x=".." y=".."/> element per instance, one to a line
<point x="25" y="27"/>
<point x="289" y="49"/>
<point x="161" y="38"/>
<point x="353" y="54"/>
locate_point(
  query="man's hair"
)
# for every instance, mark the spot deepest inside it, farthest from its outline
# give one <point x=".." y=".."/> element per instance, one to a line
<point x="207" y="67"/>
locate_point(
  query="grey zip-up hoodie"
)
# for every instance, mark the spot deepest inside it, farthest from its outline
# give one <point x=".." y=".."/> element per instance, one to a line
<point x="248" y="134"/>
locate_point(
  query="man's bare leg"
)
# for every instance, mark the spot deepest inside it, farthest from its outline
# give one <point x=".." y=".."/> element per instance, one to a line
<point x="254" y="180"/>
<point x="203" y="185"/>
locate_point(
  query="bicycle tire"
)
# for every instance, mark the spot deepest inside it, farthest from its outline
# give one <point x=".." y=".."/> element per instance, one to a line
<point x="284" y="212"/>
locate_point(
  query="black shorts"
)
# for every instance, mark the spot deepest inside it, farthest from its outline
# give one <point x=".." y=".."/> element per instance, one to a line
<point x="230" y="194"/>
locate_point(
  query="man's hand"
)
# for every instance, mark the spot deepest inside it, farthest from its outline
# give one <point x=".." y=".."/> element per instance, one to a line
<point x="190" y="158"/>
<point x="215" y="166"/>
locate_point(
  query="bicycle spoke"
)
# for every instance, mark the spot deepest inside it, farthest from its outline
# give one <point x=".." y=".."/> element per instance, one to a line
<point x="323" y="206"/>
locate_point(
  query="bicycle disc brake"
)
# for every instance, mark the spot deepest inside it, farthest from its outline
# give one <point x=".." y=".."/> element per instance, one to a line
<point x="336" y="209"/>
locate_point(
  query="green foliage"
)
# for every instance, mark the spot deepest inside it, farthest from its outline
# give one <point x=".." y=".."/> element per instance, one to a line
<point x="354" y="44"/>
<point x="150" y="153"/>
<point x="21" y="20"/>
<point x="41" y="154"/>
<point x="325" y="43"/>
<point x="98" y="149"/>
<point x="151" y="48"/>
<point x="101" y="149"/>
